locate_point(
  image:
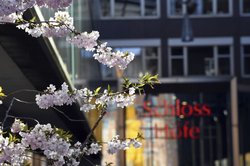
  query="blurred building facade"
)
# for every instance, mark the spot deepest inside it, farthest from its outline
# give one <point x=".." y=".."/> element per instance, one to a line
<point x="198" y="115"/>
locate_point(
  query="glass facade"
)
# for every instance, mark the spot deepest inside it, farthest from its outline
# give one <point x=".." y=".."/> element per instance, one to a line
<point x="72" y="56"/>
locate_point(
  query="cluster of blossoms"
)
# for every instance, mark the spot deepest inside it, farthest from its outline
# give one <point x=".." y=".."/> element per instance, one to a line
<point x="10" y="152"/>
<point x="105" y="56"/>
<point x="85" y="40"/>
<point x="61" y="25"/>
<point x="116" y="144"/>
<point x="52" y="97"/>
<point x="8" y="7"/>
<point x="54" y="145"/>
<point x="10" y="18"/>
<point x="58" y="26"/>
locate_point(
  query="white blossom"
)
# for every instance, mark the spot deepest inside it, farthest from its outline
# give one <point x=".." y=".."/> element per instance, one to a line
<point x="11" y="18"/>
<point x="17" y="126"/>
<point x="115" y="144"/>
<point x="87" y="107"/>
<point x="106" y="56"/>
<point x="131" y="91"/>
<point x="85" y="40"/>
<point x="94" y="148"/>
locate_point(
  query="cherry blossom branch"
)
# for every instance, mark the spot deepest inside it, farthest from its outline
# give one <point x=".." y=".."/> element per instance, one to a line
<point x="7" y="112"/>
<point x="21" y="90"/>
<point x="67" y="117"/>
<point x="90" y="162"/>
<point x="103" y="113"/>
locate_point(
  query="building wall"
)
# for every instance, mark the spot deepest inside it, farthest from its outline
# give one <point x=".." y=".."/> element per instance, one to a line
<point x="165" y="27"/>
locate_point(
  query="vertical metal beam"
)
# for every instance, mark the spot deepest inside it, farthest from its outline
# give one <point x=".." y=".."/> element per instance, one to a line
<point x="234" y="122"/>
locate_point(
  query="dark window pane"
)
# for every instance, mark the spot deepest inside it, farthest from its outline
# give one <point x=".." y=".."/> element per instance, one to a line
<point x="224" y="66"/>
<point x="204" y="7"/>
<point x="200" y="61"/>
<point x="105" y="5"/>
<point x="151" y="52"/>
<point x="247" y="49"/>
<point x="224" y="50"/>
<point x="175" y="7"/>
<point x="151" y="66"/>
<point x="246" y="6"/>
<point x="176" y="51"/>
<point x="150" y="8"/>
<point x="223" y="6"/>
<point x="127" y="8"/>
<point x="177" y="67"/>
<point x="247" y="65"/>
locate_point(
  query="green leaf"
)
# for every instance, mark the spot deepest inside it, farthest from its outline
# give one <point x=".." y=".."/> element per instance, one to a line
<point x="33" y="19"/>
<point x="97" y="91"/>
<point x="109" y="89"/>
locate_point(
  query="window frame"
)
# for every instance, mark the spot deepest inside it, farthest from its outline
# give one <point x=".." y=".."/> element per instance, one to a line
<point x="214" y="9"/>
<point x="214" y="42"/>
<point x="142" y="12"/>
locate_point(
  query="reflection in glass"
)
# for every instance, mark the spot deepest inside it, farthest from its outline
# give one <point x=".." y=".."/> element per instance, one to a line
<point x="200" y="7"/>
<point x="151" y="52"/>
<point x="150" y="8"/>
<point x="127" y="8"/>
<point x="105" y="6"/>
<point x="175" y="7"/>
<point x="204" y="7"/>
<point x="151" y="66"/>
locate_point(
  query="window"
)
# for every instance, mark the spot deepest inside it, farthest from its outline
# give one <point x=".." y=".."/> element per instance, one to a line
<point x="246" y="59"/>
<point x="129" y="8"/>
<point x="200" y="7"/>
<point x="202" y="60"/>
<point x="245" y="7"/>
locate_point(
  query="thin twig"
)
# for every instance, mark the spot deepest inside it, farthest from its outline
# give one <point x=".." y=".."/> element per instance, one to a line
<point x="94" y="127"/>
<point x="19" y="117"/>
<point x="88" y="161"/>
<point x="66" y="116"/>
<point x="23" y="90"/>
<point x="7" y="112"/>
